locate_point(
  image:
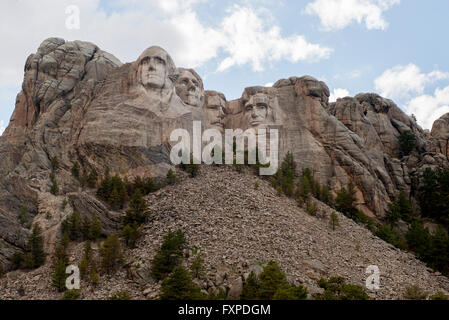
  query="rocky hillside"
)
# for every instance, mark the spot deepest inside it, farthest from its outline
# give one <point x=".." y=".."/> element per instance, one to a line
<point x="81" y="105"/>
<point x="236" y="227"/>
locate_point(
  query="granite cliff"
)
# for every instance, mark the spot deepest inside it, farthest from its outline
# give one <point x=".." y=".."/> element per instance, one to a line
<point x="81" y="104"/>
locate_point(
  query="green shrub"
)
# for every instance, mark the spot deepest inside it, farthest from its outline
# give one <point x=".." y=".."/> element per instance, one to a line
<point x="121" y="295"/>
<point x="171" y="177"/>
<point x="387" y="233"/>
<point x="407" y="143"/>
<point x="72" y="295"/>
<point x="290" y="292"/>
<point x="336" y="288"/>
<point x="415" y="293"/>
<point x="271" y="284"/>
<point x="401" y="208"/>
<point x="345" y="202"/>
<point x="439" y="296"/>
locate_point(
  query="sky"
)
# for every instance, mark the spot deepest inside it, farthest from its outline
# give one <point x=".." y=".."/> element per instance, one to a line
<point x="396" y="48"/>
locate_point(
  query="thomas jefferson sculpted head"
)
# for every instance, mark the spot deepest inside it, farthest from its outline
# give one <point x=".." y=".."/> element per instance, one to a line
<point x="189" y="87"/>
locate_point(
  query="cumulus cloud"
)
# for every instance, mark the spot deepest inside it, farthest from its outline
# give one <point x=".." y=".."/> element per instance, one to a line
<point x="428" y="108"/>
<point x="129" y="27"/>
<point x="338" y="14"/>
<point x="250" y="40"/>
<point x="406" y="81"/>
<point x="338" y="93"/>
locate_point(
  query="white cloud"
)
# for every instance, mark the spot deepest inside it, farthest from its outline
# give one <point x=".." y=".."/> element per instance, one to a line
<point x="250" y="40"/>
<point x="269" y="84"/>
<point x="242" y="37"/>
<point x="338" y="93"/>
<point x="406" y="81"/>
<point x="428" y="108"/>
<point x="2" y="127"/>
<point x="338" y="14"/>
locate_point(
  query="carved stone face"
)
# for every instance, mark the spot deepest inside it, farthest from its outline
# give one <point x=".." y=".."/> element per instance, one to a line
<point x="189" y="88"/>
<point x="256" y="111"/>
<point x="215" y="109"/>
<point x="154" y="68"/>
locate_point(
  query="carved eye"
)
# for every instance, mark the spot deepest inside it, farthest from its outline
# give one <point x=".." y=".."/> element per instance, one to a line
<point x="249" y="107"/>
<point x="160" y="60"/>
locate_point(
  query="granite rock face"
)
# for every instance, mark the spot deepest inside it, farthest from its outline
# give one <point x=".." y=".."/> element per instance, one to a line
<point x="81" y="104"/>
<point x="440" y="135"/>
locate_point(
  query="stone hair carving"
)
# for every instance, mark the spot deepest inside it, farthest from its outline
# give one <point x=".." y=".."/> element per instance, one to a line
<point x="156" y="69"/>
<point x="215" y="108"/>
<point x="309" y="86"/>
<point x="189" y="87"/>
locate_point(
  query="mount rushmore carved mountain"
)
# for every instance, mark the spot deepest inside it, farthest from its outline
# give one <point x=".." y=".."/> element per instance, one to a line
<point x="79" y="104"/>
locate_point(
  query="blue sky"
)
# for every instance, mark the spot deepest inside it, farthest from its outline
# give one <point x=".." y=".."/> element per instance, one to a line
<point x="392" y="47"/>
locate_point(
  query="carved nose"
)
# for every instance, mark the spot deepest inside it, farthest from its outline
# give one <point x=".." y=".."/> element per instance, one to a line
<point x="191" y="86"/>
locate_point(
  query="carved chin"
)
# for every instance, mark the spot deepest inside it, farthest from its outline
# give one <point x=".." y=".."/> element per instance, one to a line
<point x="193" y="100"/>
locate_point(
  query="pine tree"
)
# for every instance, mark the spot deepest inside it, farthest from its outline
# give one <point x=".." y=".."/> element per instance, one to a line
<point x="54" y="163"/>
<point x="54" y="190"/>
<point x="95" y="229"/>
<point x="76" y="170"/>
<point x="74" y="225"/>
<point x="85" y="228"/>
<point x="197" y="267"/>
<point x="407" y="143"/>
<point x="131" y="233"/>
<point x="92" y="178"/>
<point x="171" y="177"/>
<point x="94" y="279"/>
<point x="111" y="254"/>
<point x="168" y="255"/>
<point x="86" y="260"/>
<point x="36" y="246"/>
<point x="179" y="286"/>
<point x="114" y="199"/>
<point x="60" y="276"/>
<point x="271" y="279"/>
<point x="251" y="288"/>
<point x="137" y="212"/>
<point x="333" y="220"/>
